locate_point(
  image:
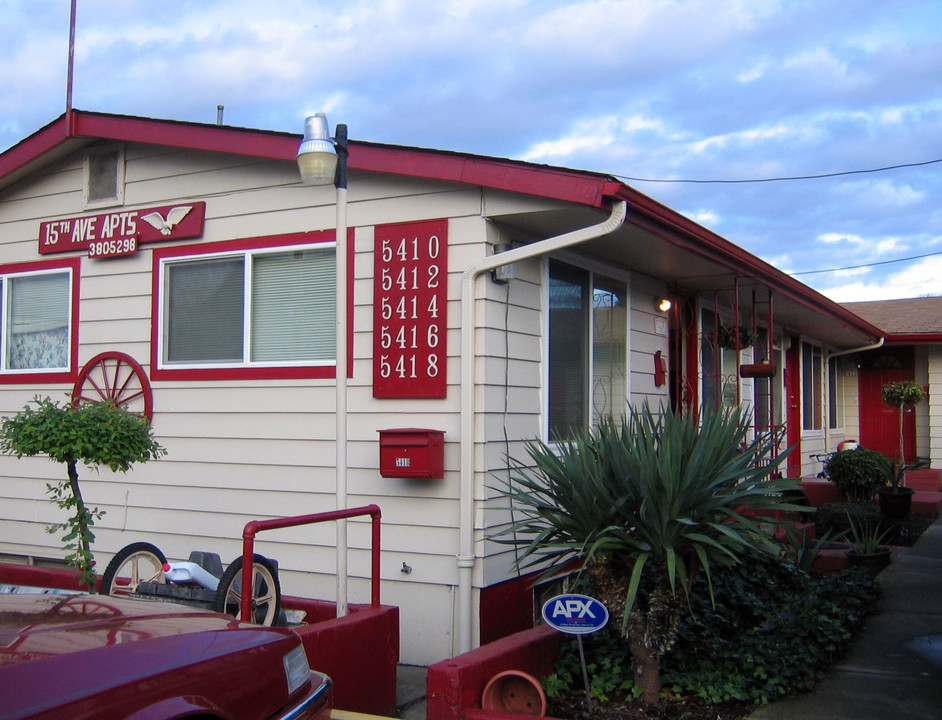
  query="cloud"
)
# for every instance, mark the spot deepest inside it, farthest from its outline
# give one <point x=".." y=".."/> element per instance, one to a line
<point x="920" y="279"/>
<point x="658" y="89"/>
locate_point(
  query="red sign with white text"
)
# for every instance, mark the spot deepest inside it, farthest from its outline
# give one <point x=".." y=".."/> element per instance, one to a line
<point x="410" y="283"/>
<point x="121" y="232"/>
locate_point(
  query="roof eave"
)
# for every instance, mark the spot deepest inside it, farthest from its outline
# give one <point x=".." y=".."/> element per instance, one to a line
<point x="579" y="187"/>
<point x="708" y="244"/>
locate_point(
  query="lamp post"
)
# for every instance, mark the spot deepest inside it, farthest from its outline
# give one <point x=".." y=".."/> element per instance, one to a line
<point x="321" y="161"/>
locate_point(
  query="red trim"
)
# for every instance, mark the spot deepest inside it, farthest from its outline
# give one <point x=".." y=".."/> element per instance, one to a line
<point x="306" y="372"/>
<point x="33" y="147"/>
<point x="913" y="338"/>
<point x="692" y="388"/>
<point x="540" y="180"/>
<point x="593" y="190"/>
<point x="506" y="608"/>
<point x="678" y="230"/>
<point x="75" y="264"/>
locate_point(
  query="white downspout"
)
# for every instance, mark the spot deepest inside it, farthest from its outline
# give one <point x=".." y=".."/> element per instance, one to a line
<point x="827" y="380"/>
<point x="466" y="556"/>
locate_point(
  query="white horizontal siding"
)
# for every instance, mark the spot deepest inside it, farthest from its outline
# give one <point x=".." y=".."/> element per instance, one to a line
<point x="242" y="450"/>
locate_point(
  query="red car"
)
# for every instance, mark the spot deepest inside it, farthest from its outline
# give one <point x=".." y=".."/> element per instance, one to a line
<point x="95" y="656"/>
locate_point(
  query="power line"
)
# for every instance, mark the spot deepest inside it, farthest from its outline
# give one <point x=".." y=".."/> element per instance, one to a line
<point x="867" y="265"/>
<point x="784" y="179"/>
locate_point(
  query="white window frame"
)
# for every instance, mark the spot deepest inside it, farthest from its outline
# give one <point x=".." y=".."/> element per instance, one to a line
<point x="247" y="255"/>
<point x="817" y="394"/>
<point x="6" y="276"/>
<point x="593" y="270"/>
<point x="836" y="410"/>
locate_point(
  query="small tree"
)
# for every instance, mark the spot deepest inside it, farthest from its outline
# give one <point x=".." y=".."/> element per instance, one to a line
<point x="899" y="395"/>
<point x="94" y="434"/>
<point x="646" y="506"/>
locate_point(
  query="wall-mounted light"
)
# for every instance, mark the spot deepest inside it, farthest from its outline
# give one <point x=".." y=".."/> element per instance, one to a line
<point x="662" y="304"/>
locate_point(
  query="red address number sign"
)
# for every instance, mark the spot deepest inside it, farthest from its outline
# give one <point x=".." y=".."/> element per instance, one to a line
<point x="410" y="279"/>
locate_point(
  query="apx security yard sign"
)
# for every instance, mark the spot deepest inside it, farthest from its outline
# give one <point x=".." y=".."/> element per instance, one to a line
<point x="575" y="614"/>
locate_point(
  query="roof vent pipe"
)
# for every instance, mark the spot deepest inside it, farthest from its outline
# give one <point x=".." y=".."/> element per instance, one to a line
<point x="219" y="109"/>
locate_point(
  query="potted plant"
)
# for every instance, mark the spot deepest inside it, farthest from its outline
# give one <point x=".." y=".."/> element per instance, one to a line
<point x="90" y="433"/>
<point x="857" y="473"/>
<point x="726" y="337"/>
<point x="894" y="497"/>
<point x="866" y="538"/>
<point x="900" y="395"/>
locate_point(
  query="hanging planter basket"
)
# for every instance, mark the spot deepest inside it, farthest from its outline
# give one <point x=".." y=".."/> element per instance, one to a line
<point x="758" y="370"/>
<point x="726" y="337"/>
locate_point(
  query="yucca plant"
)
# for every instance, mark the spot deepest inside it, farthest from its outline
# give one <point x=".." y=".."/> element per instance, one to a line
<point x="645" y="505"/>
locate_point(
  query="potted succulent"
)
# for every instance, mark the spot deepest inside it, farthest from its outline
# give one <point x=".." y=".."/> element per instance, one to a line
<point x="866" y="539"/>
<point x="900" y="395"/>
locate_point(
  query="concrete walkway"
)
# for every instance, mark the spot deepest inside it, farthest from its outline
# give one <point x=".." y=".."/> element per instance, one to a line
<point x="893" y="670"/>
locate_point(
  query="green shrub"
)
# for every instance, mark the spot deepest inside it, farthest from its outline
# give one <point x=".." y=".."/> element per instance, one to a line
<point x="93" y="434"/>
<point x="857" y="473"/>
<point x="769" y="634"/>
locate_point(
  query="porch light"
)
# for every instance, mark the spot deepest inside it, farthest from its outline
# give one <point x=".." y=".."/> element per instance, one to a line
<point x="317" y="157"/>
<point x="662" y="304"/>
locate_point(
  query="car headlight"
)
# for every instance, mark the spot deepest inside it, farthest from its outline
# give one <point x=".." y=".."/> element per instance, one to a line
<point x="297" y="671"/>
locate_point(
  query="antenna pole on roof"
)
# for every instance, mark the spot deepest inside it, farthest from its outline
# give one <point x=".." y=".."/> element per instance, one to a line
<point x="68" y="90"/>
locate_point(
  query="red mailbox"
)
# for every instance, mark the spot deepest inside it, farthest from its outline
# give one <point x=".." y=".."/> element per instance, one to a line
<point x="412" y="453"/>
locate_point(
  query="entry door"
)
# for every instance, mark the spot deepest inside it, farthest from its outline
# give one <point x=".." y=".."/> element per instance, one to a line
<point x="879" y="423"/>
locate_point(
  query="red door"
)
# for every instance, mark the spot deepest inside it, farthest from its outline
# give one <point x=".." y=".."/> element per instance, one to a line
<point x="793" y="406"/>
<point x="879" y="423"/>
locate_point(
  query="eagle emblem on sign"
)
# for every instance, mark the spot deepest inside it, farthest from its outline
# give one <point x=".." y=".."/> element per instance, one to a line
<point x="165" y="225"/>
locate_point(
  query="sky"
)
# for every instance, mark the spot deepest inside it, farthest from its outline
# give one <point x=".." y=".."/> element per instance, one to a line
<point x="807" y="132"/>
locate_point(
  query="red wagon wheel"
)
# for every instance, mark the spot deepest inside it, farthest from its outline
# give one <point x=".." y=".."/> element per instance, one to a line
<point x="117" y="377"/>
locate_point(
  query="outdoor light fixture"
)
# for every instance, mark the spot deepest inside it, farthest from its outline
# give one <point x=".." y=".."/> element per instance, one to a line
<point x="662" y="304"/>
<point x="317" y="157"/>
<point x="322" y="160"/>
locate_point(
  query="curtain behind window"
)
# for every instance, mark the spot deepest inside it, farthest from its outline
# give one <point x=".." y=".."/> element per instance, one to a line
<point x="38" y="322"/>
<point x="205" y="310"/>
<point x="293" y="301"/>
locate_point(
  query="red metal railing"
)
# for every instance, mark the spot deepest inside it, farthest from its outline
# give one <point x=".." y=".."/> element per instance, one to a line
<point x="257" y="526"/>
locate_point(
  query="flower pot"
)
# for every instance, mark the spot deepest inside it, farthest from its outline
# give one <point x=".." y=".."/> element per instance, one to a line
<point x="514" y="691"/>
<point x="757" y="370"/>
<point x="895" y="503"/>
<point x="871" y="562"/>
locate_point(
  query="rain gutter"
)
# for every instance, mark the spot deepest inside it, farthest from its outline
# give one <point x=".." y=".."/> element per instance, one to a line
<point x="466" y="558"/>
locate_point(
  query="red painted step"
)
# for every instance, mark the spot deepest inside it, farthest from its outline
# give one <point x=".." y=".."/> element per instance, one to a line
<point x="927" y="503"/>
<point x="924" y="480"/>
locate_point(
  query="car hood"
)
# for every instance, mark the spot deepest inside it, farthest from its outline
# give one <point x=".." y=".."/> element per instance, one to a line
<point x="33" y="627"/>
<point x="59" y="653"/>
